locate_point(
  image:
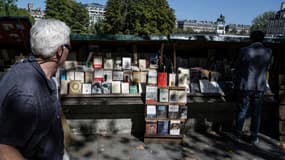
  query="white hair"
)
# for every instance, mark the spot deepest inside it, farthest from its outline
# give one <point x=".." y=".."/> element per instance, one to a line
<point x="47" y="35"/>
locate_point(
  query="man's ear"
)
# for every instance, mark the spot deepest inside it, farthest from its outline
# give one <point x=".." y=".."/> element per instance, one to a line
<point x="59" y="51"/>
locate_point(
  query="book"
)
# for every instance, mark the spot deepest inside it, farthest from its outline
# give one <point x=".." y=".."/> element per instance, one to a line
<point x="181" y="96"/>
<point x="116" y="87"/>
<point x="151" y="127"/>
<point x="133" y="88"/>
<point x="106" y="87"/>
<point x="88" y="77"/>
<point x="127" y="76"/>
<point x="86" y="88"/>
<point x="172" y="80"/>
<point x="183" y="77"/>
<point x="98" y="75"/>
<point x="136" y="76"/>
<point x="183" y="112"/>
<point x="163" y="95"/>
<point x="194" y="87"/>
<point x="75" y="87"/>
<point x="172" y="96"/>
<point x="96" y="88"/>
<point x="126" y="63"/>
<point x="118" y="63"/>
<point x="69" y="65"/>
<point x="108" y="76"/>
<point x="79" y="76"/>
<point x="162" y="79"/>
<point x="162" y="127"/>
<point x="150" y="111"/>
<point x="151" y="94"/>
<point x="142" y="64"/>
<point x="161" y="111"/>
<point x="153" y="61"/>
<point x="152" y="77"/>
<point x="125" y="87"/>
<point x="70" y="76"/>
<point x="173" y="111"/>
<point x="209" y="87"/>
<point x="108" y="63"/>
<point x="175" y="127"/>
<point x="143" y="77"/>
<point x="97" y="62"/>
<point x="63" y="87"/>
<point x="118" y="75"/>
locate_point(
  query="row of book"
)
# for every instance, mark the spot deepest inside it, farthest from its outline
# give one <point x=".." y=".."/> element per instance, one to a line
<point x="166" y="111"/>
<point x="163" y="127"/>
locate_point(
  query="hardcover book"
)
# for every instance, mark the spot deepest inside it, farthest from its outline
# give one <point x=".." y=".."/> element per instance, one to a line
<point x="126" y="63"/>
<point x="162" y="79"/>
<point x="152" y="77"/>
<point x="98" y="75"/>
<point x="118" y="75"/>
<point x="151" y="94"/>
<point x="125" y="88"/>
<point x="162" y="127"/>
<point x="86" y="88"/>
<point x="108" y="63"/>
<point x="183" y="112"/>
<point x="173" y="111"/>
<point x="106" y="87"/>
<point x="97" y="62"/>
<point x="175" y="127"/>
<point x="161" y="111"/>
<point x="151" y="127"/>
<point x="116" y="87"/>
<point x="75" y="87"/>
<point x="150" y="111"/>
<point x="96" y="88"/>
<point x="172" y="80"/>
<point x="163" y="95"/>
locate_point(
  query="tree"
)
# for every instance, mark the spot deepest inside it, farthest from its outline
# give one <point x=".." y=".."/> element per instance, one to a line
<point x="261" y="21"/>
<point x="139" y="17"/>
<point x="72" y="13"/>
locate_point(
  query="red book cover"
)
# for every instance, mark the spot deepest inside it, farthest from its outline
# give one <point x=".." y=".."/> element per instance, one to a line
<point x="162" y="79"/>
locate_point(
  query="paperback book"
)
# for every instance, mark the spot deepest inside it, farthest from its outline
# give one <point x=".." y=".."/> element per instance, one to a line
<point x="151" y="127"/>
<point x="175" y="127"/>
<point x="150" y="111"/>
<point x="162" y="127"/>
<point x="161" y="111"/>
<point x="173" y="111"/>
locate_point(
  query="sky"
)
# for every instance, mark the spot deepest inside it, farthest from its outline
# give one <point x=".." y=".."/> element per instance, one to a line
<point x="235" y="11"/>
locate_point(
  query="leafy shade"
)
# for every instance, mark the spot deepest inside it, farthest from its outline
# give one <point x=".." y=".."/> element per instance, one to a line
<point x="72" y="13"/>
<point x="261" y="22"/>
<point x="139" y="17"/>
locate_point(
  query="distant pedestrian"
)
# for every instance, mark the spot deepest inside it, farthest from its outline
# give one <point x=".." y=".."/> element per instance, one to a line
<point x="251" y="69"/>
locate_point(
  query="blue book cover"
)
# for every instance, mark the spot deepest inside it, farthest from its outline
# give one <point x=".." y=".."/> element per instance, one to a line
<point x="162" y="127"/>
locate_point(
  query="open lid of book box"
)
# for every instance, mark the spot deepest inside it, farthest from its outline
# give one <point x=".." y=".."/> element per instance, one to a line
<point x="15" y="32"/>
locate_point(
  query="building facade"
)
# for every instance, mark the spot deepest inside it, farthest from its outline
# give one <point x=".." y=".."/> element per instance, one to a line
<point x="197" y="26"/>
<point x="276" y="26"/>
<point x="95" y="11"/>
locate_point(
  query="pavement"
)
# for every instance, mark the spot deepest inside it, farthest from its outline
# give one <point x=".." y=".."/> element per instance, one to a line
<point x="196" y="146"/>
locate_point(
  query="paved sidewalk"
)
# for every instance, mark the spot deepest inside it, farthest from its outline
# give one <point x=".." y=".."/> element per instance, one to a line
<point x="197" y="146"/>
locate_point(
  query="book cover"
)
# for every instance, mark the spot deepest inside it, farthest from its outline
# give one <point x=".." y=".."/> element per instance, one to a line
<point x="88" y="77"/>
<point x="150" y="111"/>
<point x="161" y="111"/>
<point x="127" y="76"/>
<point x="97" y="62"/>
<point x="172" y="80"/>
<point x="118" y="75"/>
<point x="162" y="127"/>
<point x="106" y="87"/>
<point x="172" y="96"/>
<point x="116" y="87"/>
<point x="153" y="61"/>
<point x="125" y="88"/>
<point x="79" y="76"/>
<point x="86" y="88"/>
<point x="183" y="77"/>
<point x="75" y="87"/>
<point x="194" y="87"/>
<point x="173" y="111"/>
<point x="162" y="79"/>
<point x="151" y="127"/>
<point x="151" y="94"/>
<point x="152" y="77"/>
<point x="133" y="88"/>
<point x="70" y="75"/>
<point x="143" y="77"/>
<point x="118" y="63"/>
<point x="181" y="96"/>
<point x="63" y="87"/>
<point x="108" y="63"/>
<point x="163" y="95"/>
<point x="98" y="75"/>
<point x="142" y="64"/>
<point x="136" y="76"/>
<point x="126" y="63"/>
<point x="108" y="76"/>
<point x="183" y="112"/>
<point x="96" y="88"/>
<point x="175" y="127"/>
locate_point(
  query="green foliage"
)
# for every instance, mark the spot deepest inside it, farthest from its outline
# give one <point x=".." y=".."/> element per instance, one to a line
<point x="97" y="28"/>
<point x="9" y="8"/>
<point x="261" y="22"/>
<point x="139" y="17"/>
<point x="74" y="14"/>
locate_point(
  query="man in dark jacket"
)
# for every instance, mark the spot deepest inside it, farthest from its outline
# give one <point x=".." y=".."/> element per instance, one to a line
<point x="251" y="70"/>
<point x="30" y="124"/>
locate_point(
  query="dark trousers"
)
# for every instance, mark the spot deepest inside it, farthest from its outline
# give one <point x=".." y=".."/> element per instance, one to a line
<point x="248" y="99"/>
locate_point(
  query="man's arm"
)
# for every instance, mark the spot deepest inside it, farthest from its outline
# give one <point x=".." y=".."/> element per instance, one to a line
<point x="9" y="153"/>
